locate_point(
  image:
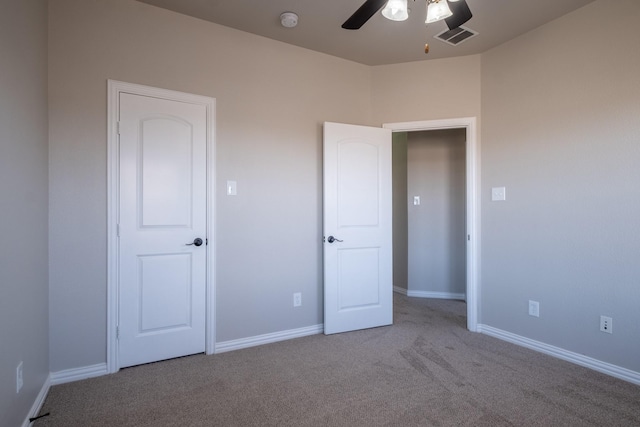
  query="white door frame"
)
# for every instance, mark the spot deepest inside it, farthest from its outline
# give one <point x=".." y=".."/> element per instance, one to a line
<point x="472" y="202"/>
<point x="115" y="88"/>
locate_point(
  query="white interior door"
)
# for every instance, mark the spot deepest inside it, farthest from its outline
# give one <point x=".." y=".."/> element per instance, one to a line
<point x="358" y="251"/>
<point x="162" y="211"/>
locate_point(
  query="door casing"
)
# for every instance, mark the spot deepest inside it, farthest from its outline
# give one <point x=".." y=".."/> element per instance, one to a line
<point x="115" y="88"/>
<point x="472" y="201"/>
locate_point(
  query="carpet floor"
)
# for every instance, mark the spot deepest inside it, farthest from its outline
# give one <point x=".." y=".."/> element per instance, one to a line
<point x="425" y="370"/>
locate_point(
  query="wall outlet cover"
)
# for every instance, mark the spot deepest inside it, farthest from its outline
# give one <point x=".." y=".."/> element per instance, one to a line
<point x="606" y="324"/>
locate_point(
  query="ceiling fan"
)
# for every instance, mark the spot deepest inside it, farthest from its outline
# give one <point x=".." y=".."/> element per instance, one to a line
<point x="454" y="12"/>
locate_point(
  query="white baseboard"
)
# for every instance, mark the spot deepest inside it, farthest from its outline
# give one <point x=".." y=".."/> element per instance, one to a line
<point x="560" y="353"/>
<point x="400" y="290"/>
<point x="436" y="295"/>
<point x="225" y="346"/>
<point x="37" y="404"/>
<point x="77" y="374"/>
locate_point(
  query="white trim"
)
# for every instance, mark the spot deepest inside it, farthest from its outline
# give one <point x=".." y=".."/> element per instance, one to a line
<point x="400" y="290"/>
<point x="115" y="88"/>
<point x="112" y="215"/>
<point x="429" y="294"/>
<point x="225" y="346"/>
<point x="77" y="374"/>
<point x="435" y="295"/>
<point x="210" y="334"/>
<point x="473" y="201"/>
<point x="37" y="404"/>
<point x="560" y="353"/>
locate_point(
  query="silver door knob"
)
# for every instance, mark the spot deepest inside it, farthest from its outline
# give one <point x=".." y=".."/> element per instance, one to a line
<point x="332" y="239"/>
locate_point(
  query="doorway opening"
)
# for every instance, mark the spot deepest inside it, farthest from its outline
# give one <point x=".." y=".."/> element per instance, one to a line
<point x="462" y="135"/>
<point x="430" y="219"/>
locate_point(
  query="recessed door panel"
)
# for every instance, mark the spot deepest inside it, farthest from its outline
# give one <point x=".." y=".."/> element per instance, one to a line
<point x="358" y="283"/>
<point x="358" y="192"/>
<point x="164" y="281"/>
<point x="166" y="170"/>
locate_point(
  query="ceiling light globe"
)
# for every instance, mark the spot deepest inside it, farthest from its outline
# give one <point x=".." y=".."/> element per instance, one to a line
<point x="396" y="10"/>
<point x="437" y="10"/>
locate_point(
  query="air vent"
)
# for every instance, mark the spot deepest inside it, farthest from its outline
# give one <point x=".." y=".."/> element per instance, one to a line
<point x="456" y="36"/>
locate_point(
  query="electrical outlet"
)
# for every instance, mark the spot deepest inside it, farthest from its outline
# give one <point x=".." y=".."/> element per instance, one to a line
<point x="297" y="299"/>
<point x="19" y="380"/>
<point x="606" y="324"/>
<point x="534" y="308"/>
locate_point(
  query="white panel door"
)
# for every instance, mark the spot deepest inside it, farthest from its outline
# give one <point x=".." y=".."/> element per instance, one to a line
<point x="162" y="211"/>
<point x="358" y="275"/>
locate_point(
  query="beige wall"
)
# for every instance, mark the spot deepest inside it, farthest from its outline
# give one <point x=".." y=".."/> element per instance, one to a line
<point x="427" y="90"/>
<point x="24" y="295"/>
<point x="558" y="125"/>
<point x="271" y="101"/>
<point x="561" y="121"/>
<point x="436" y="172"/>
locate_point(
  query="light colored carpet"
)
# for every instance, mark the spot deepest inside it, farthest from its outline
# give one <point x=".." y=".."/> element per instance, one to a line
<point x="425" y="370"/>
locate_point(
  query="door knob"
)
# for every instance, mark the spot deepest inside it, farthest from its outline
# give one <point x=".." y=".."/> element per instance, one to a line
<point x="197" y="241"/>
<point x="332" y="239"/>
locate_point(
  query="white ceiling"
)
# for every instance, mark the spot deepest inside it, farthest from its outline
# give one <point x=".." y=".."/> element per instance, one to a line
<point x="379" y="41"/>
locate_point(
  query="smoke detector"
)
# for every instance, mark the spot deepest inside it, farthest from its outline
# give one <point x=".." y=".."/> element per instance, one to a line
<point x="289" y="19"/>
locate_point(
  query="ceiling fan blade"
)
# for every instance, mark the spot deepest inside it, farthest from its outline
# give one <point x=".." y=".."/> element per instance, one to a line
<point x="461" y="14"/>
<point x="363" y="14"/>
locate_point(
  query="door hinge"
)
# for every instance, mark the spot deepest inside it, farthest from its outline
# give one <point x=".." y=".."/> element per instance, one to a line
<point x="206" y="241"/>
<point x="469" y="237"/>
<point x="118" y="126"/>
<point x="117" y="230"/>
<point x="117" y="332"/>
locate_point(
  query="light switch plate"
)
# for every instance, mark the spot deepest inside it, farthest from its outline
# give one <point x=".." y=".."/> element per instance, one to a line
<point x="416" y="200"/>
<point x="534" y="308"/>
<point x="232" y="188"/>
<point x="498" y="194"/>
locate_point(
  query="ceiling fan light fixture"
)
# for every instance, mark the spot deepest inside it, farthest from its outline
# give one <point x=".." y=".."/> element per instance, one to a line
<point x="437" y="10"/>
<point x="396" y="10"/>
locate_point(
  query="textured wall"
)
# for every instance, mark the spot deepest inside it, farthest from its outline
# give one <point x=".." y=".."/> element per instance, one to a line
<point x="561" y="114"/>
<point x="24" y="295"/>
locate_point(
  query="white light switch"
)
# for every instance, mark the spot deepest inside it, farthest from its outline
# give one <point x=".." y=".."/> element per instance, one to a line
<point x="232" y="188"/>
<point x="416" y="200"/>
<point x="498" y="194"/>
